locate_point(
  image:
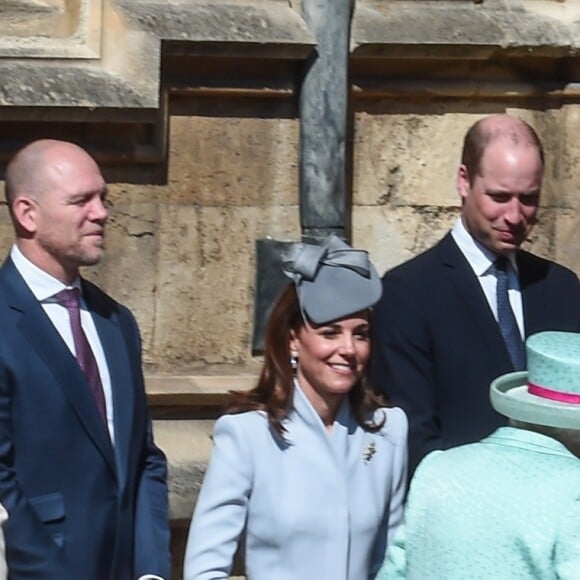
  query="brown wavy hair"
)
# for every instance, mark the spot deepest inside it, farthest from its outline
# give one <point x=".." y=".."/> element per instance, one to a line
<point x="275" y="389"/>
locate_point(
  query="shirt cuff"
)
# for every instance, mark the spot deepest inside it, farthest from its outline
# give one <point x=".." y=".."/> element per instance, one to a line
<point x="150" y="577"/>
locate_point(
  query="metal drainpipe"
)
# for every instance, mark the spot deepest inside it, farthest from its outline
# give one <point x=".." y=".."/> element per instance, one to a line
<point x="323" y="109"/>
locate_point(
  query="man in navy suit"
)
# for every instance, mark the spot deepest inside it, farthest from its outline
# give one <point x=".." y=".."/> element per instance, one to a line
<point x="437" y="344"/>
<point x="82" y="481"/>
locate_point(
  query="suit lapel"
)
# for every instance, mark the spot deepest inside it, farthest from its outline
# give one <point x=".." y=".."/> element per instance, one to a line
<point x="106" y="318"/>
<point x="45" y="340"/>
<point x="467" y="289"/>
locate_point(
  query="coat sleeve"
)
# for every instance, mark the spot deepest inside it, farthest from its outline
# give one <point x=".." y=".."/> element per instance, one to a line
<point x="152" y="554"/>
<point x="399" y="476"/>
<point x="395" y="564"/>
<point x="397" y="426"/>
<point x="567" y="551"/>
<point x="402" y="365"/>
<point x="222" y="506"/>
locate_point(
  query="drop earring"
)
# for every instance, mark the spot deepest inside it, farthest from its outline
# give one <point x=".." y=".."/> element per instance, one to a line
<point x="294" y="361"/>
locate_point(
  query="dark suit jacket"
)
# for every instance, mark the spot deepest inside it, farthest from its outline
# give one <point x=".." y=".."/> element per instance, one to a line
<point x="437" y="345"/>
<point x="79" y="509"/>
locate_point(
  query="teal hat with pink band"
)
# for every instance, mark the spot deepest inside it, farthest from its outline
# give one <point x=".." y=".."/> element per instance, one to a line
<point x="548" y="393"/>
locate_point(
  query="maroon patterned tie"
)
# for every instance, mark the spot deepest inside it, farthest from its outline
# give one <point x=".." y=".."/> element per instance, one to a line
<point x="70" y="299"/>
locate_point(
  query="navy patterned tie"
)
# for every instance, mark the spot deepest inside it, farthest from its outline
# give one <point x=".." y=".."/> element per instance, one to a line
<point x="70" y="299"/>
<point x="505" y="317"/>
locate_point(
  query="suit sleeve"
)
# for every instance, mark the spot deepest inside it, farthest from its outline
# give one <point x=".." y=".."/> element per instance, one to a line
<point x="221" y="508"/>
<point x="152" y="553"/>
<point x="399" y="476"/>
<point x="402" y="364"/>
<point x="30" y="548"/>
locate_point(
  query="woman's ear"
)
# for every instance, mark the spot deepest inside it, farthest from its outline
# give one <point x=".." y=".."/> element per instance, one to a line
<point x="293" y="344"/>
<point x="24" y="210"/>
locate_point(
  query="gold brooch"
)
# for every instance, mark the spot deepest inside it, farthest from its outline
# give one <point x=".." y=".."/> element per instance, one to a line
<point x="369" y="451"/>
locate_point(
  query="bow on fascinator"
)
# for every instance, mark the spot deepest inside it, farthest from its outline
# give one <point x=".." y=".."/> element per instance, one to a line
<point x="332" y="279"/>
<point x="303" y="261"/>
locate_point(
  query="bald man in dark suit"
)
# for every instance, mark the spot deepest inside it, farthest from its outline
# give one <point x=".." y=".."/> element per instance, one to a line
<point x="82" y="481"/>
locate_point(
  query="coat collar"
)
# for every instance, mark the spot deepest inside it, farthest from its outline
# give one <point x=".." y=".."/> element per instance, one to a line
<point x="307" y="413"/>
<point x="524" y="439"/>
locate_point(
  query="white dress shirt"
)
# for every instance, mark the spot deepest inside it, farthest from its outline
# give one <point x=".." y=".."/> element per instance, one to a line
<point x="482" y="261"/>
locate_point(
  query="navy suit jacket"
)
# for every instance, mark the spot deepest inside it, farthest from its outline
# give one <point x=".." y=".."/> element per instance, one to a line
<point x="79" y="508"/>
<point x="437" y="345"/>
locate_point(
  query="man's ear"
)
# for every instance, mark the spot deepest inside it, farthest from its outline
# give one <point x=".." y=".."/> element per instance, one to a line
<point x="462" y="182"/>
<point x="25" y="212"/>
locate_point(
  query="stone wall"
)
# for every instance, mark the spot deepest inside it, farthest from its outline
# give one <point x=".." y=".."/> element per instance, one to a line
<point x="191" y="109"/>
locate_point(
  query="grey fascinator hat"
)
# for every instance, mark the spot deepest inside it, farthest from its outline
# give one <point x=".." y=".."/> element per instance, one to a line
<point x="332" y="279"/>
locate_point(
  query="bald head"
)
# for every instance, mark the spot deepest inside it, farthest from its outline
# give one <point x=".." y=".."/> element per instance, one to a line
<point x="514" y="131"/>
<point x="26" y="173"/>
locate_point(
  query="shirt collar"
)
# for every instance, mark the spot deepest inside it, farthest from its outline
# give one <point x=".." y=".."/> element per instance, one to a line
<point x="479" y="257"/>
<point x="41" y="284"/>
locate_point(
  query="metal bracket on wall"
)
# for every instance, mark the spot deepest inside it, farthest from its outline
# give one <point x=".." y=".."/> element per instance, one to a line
<point x="270" y="281"/>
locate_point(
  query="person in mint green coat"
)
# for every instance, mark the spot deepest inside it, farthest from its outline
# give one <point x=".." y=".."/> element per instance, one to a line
<point x="507" y="506"/>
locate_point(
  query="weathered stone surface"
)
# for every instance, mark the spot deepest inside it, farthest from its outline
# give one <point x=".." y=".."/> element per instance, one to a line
<point x="210" y="392"/>
<point x="568" y="162"/>
<point x="187" y="445"/>
<point x="465" y="28"/>
<point x="266" y="23"/>
<point x="542" y="240"/>
<point x="6" y="231"/>
<point x="217" y="162"/>
<point x="393" y="235"/>
<point x="92" y="31"/>
<point x="25" y="83"/>
<point x="567" y="238"/>
<point x="50" y="28"/>
<point x="212" y="282"/>
<point x="182" y="256"/>
<point x="403" y="159"/>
